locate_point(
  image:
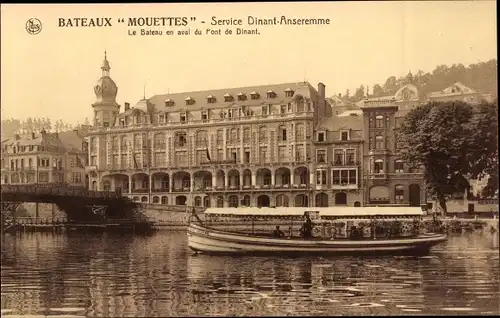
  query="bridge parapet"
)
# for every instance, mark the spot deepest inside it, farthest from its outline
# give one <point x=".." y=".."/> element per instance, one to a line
<point x="58" y="190"/>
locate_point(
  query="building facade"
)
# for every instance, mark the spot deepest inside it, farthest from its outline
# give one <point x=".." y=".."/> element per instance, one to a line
<point x="269" y="145"/>
<point x="248" y="146"/>
<point x="47" y="158"/>
<point x="459" y="92"/>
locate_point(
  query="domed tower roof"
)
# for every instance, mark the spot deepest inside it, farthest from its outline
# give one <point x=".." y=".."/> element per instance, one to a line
<point x="105" y="88"/>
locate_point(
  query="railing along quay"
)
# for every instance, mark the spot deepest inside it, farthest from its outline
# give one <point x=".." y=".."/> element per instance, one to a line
<point x="27" y="224"/>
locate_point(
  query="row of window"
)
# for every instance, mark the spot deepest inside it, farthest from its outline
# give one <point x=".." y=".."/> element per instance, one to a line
<point x="237" y="112"/>
<point x="345" y="135"/>
<point x="232" y="135"/>
<point x="379" y="166"/>
<point x="230" y="98"/>
<point x="43" y="177"/>
<point x="18" y="164"/>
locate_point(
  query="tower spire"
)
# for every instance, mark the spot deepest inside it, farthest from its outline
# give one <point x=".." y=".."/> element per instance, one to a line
<point x="105" y="64"/>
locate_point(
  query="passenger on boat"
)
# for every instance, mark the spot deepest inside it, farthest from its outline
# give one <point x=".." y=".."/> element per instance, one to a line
<point x="306" y="229"/>
<point x="355" y="233"/>
<point x="278" y="232"/>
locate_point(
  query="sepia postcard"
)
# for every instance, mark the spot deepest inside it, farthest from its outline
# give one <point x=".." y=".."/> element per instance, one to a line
<point x="249" y="159"/>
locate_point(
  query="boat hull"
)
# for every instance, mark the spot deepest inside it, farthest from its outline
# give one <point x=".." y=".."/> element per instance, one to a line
<point x="210" y="241"/>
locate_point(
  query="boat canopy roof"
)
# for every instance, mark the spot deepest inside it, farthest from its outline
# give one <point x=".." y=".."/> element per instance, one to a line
<point x="329" y="211"/>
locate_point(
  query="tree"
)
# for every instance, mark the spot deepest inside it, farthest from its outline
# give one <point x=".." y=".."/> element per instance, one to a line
<point x="360" y="93"/>
<point x="436" y="136"/>
<point x="483" y="151"/>
<point x="390" y="86"/>
<point x="378" y="90"/>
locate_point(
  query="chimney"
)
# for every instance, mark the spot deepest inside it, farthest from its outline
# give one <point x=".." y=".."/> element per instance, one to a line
<point x="33" y="135"/>
<point x="76" y="132"/>
<point x="127" y="106"/>
<point x="17" y="137"/>
<point x="321" y="101"/>
<point x="321" y="91"/>
<point x="340" y="95"/>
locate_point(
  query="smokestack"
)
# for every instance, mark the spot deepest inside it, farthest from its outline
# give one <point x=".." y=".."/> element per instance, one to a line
<point x="127" y="106"/>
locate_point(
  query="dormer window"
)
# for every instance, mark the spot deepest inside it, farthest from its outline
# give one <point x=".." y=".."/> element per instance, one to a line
<point x="211" y="99"/>
<point x="321" y="136"/>
<point x="254" y="95"/>
<point x="345" y="135"/>
<point x="228" y="98"/>
<point x="242" y="97"/>
<point x="289" y="92"/>
<point x="271" y="94"/>
<point x="183" y="117"/>
<point x="189" y="101"/>
<point x="161" y="118"/>
<point x="169" y="102"/>
<point x="121" y="122"/>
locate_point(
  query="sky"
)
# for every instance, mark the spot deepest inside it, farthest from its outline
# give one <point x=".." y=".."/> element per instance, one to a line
<point x="53" y="73"/>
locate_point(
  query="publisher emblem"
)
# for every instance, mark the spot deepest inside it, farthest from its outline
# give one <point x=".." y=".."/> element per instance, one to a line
<point x="33" y="26"/>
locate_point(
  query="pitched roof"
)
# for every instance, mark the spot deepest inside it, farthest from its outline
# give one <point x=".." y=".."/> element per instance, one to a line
<point x="71" y="140"/>
<point x="333" y="123"/>
<point x="456" y="88"/>
<point x="200" y="97"/>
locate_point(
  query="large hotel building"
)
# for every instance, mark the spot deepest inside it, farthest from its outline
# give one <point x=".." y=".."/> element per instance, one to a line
<point x="270" y="145"/>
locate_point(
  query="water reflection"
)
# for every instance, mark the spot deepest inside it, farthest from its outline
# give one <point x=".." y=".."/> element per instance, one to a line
<point x="110" y="275"/>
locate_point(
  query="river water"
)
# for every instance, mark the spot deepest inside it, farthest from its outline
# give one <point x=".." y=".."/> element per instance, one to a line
<point x="112" y="275"/>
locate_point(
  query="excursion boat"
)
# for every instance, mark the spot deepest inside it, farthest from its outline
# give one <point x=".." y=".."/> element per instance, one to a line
<point x="339" y="230"/>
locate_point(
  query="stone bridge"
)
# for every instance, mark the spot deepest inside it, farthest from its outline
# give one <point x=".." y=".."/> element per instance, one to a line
<point x="79" y="204"/>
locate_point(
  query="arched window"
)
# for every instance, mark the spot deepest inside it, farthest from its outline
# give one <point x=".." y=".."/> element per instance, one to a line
<point x="197" y="201"/>
<point x="378" y="166"/>
<point x="124" y="143"/>
<point x="220" y="202"/>
<point x="379" y="142"/>
<point x="115" y="143"/>
<point x="245" y="201"/>
<point x="233" y="201"/>
<point x="282" y="200"/>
